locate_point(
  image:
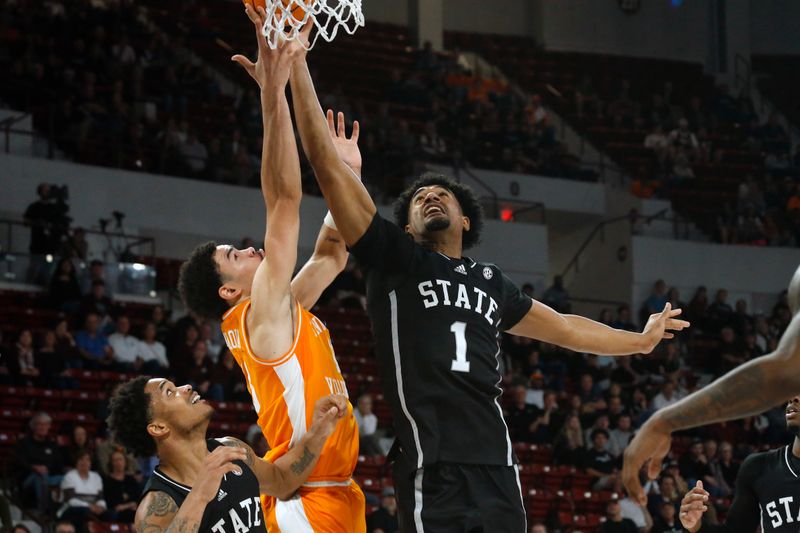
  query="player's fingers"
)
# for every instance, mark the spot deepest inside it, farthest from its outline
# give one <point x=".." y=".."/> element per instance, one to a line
<point x="251" y="13"/>
<point x="305" y="33"/>
<point x="675" y="312"/>
<point x="677" y="324"/>
<point x="667" y="309"/>
<point x="331" y="126"/>
<point x="244" y="62"/>
<point x="225" y="454"/>
<point x="340" y="128"/>
<point x="654" y="468"/>
<point x="356" y="130"/>
<point x="228" y="467"/>
<point x="260" y="19"/>
<point x="630" y="478"/>
<point x="668" y="335"/>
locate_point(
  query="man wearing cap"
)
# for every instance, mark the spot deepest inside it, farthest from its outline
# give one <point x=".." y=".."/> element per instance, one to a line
<point x="384" y="520"/>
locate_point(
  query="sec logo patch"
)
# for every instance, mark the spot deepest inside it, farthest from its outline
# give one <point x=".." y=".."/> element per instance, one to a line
<point x="487" y="273"/>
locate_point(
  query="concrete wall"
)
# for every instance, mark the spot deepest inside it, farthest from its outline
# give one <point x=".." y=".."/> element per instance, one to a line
<point x="755" y="274"/>
<point x="775" y="26"/>
<point x="181" y="213"/>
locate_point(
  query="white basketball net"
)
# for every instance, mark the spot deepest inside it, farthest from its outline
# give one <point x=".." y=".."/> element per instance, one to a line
<point x="327" y="15"/>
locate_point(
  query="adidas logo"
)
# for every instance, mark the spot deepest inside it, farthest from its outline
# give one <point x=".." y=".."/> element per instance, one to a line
<point x="221" y="495"/>
<point x="461" y="270"/>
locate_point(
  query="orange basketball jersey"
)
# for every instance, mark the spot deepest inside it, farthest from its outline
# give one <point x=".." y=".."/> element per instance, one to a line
<point x="284" y="391"/>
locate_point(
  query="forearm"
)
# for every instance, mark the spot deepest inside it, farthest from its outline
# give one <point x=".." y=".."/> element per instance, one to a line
<point x="188" y="518"/>
<point x="280" y="163"/>
<point x="593" y="337"/>
<point x="327" y="262"/>
<point x="283" y="477"/>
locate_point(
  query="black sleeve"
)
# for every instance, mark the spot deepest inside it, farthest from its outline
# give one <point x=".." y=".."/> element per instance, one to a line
<point x="384" y="246"/>
<point x="743" y="514"/>
<point x="516" y="304"/>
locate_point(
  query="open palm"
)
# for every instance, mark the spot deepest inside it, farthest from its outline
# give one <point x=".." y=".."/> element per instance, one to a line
<point x="346" y="148"/>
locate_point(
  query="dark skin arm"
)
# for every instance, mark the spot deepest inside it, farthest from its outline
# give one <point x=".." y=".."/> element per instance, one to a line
<point x="728" y="398"/>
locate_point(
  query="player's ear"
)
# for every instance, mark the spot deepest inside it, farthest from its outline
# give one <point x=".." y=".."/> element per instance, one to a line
<point x="229" y="293"/>
<point x="465" y="223"/>
<point x="407" y="228"/>
<point x="157" y="429"/>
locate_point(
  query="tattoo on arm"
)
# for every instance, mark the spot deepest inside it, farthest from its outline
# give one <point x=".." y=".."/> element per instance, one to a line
<point x="236" y="443"/>
<point x="302" y="463"/>
<point x="160" y="505"/>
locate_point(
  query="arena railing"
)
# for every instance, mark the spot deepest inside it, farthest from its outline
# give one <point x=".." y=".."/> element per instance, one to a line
<point x="129" y="268"/>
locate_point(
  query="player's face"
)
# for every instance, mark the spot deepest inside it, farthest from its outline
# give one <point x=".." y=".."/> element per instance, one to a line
<point x="237" y="269"/>
<point x="180" y="408"/>
<point x="793" y="416"/>
<point x="433" y="209"/>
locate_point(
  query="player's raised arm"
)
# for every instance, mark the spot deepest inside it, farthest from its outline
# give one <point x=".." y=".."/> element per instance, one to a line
<point x="282" y="478"/>
<point x="584" y="335"/>
<point x="348" y="200"/>
<point x="330" y="253"/>
<point x="280" y="172"/>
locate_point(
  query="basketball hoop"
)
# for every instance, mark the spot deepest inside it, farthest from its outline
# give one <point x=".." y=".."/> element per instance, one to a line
<point x="286" y="18"/>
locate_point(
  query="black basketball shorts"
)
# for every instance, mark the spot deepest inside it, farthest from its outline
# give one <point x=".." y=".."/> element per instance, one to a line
<point x="458" y="498"/>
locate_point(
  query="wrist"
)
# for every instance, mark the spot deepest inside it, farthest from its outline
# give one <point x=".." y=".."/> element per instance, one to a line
<point x="662" y="422"/>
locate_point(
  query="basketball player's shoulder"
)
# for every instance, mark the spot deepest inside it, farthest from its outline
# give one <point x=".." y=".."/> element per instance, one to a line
<point x="155" y="512"/>
<point x="233" y="442"/>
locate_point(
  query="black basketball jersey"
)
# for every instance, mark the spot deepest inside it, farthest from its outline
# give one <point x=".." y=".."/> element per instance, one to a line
<point x="767" y="494"/>
<point x="236" y="508"/>
<point x="436" y="323"/>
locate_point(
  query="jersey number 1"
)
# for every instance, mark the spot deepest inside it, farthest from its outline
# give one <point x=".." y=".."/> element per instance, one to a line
<point x="460" y="363"/>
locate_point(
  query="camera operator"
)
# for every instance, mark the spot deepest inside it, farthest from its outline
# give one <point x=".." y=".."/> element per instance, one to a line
<point x="48" y="220"/>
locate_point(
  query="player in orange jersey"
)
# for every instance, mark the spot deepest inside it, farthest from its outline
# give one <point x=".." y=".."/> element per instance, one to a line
<point x="284" y="351"/>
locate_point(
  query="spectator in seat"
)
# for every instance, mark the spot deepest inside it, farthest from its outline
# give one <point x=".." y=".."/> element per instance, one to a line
<point x="714" y="457"/>
<point x="534" y="395"/>
<point x="556" y="296"/>
<point x="65" y="291"/>
<point x="195" y="154"/>
<point x="666" y="521"/>
<point x="589" y="392"/>
<point x="161" y="320"/>
<point x="720" y="312"/>
<point x="227" y="379"/>
<point x="384" y="519"/>
<point x="152" y="351"/>
<point x="39" y="461"/>
<point x="213" y="344"/>
<point x="23" y="365"/>
<point x="623" y="320"/>
<point x="601" y="422"/>
<point x="97" y="302"/>
<point x="694" y="464"/>
<point x="66" y="346"/>
<point x="568" y="446"/>
<point x="432" y="145"/>
<point x="741" y="321"/>
<point x="126" y="347"/>
<point x="656" y="301"/>
<point x="631" y="509"/>
<point x="667" y="492"/>
<point x="619" y="437"/>
<point x="20" y="528"/>
<point x="53" y="362"/>
<point x="63" y="526"/>
<point x="367" y="426"/>
<point x="82" y="490"/>
<point x="673" y="469"/>
<point x="79" y="443"/>
<point x="600" y="464"/>
<point x="96" y="272"/>
<point x="198" y="375"/>
<point x="521" y="417"/>
<point x="658" y="142"/>
<point x="682" y="138"/>
<point x="121" y="490"/>
<point x="615" y="523"/>
<point x="93" y="345"/>
<point x="538" y="527"/>
<point x="667" y="396"/>
<point x="729" y="353"/>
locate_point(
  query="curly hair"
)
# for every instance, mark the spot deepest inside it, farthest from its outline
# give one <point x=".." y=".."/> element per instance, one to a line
<point x="199" y="283"/>
<point x="129" y="416"/>
<point x="467" y="199"/>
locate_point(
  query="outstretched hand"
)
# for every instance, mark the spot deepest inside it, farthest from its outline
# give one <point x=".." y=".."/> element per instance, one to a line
<point x="346" y="148"/>
<point x="660" y="326"/>
<point x="651" y="442"/>
<point x="272" y="67"/>
<point x="693" y="505"/>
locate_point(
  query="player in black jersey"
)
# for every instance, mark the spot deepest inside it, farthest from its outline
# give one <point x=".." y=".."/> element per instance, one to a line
<point x="767" y="490"/>
<point x="436" y="317"/>
<point x="749" y="389"/>
<point x="211" y="486"/>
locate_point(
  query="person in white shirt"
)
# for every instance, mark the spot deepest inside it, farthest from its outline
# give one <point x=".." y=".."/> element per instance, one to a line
<point x="213" y="342"/>
<point x="367" y="426"/>
<point x="126" y="347"/>
<point x="82" y="490"/>
<point x="667" y="396"/>
<point x="152" y="352"/>
<point x="620" y="436"/>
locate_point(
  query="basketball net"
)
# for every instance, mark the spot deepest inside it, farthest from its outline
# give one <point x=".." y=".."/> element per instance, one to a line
<point x="327" y="15"/>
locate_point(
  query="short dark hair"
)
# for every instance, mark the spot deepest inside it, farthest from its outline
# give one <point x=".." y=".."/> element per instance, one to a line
<point x="129" y="416"/>
<point x="467" y="199"/>
<point x="599" y="431"/>
<point x="199" y="283"/>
